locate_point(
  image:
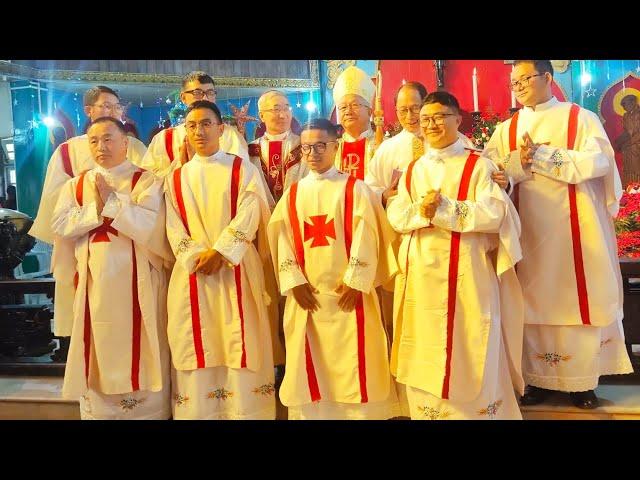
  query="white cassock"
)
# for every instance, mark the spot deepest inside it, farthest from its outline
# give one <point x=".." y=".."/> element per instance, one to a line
<point x="163" y="154"/>
<point x="570" y="274"/>
<point x="279" y="159"/>
<point x="118" y="363"/>
<point x="354" y="154"/>
<point x="69" y="160"/>
<point x="458" y="307"/>
<point x="328" y="228"/>
<point x="219" y="329"/>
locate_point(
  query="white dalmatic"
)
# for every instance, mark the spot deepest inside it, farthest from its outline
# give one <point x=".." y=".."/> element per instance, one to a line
<point x="163" y="155"/>
<point x="279" y="158"/>
<point x="570" y="273"/>
<point x="70" y="159"/>
<point x="329" y="229"/>
<point x="219" y="326"/>
<point x="118" y="363"/>
<point x="458" y="306"/>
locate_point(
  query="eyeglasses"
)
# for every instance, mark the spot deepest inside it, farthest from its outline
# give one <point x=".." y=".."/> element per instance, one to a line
<point x="111" y="107"/>
<point x="278" y="110"/>
<point x="199" y="93"/>
<point x="403" y="111"/>
<point x="350" y="106"/>
<point x="438" y="119"/>
<point x="192" y="127"/>
<point x="524" y="81"/>
<point x="319" y="147"/>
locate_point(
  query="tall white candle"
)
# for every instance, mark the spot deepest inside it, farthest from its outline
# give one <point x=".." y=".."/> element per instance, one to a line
<point x="475" y="90"/>
<point x="513" y="94"/>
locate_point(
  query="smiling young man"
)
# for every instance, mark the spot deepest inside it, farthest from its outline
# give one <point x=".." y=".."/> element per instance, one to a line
<point x="567" y="192"/>
<point x="219" y="330"/>
<point x="331" y="247"/>
<point x="458" y="305"/>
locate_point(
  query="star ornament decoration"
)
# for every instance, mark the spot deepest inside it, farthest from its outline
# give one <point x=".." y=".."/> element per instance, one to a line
<point x="590" y="92"/>
<point x="241" y="116"/>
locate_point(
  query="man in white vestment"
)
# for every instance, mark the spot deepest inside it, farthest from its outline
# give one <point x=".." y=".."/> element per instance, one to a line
<point x="331" y="247"/>
<point x="114" y="215"/>
<point x="218" y="327"/>
<point x="277" y="152"/>
<point x="458" y="307"/>
<point x="353" y="95"/>
<point x="170" y="148"/>
<point x="69" y="160"/>
<point x="567" y="190"/>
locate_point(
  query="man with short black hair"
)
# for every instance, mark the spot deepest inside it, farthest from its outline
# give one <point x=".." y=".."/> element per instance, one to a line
<point x="170" y="148"/>
<point x="331" y="247"/>
<point x="219" y="329"/>
<point x="70" y="159"/>
<point x="458" y="305"/>
<point x="567" y="190"/>
<point x="114" y="217"/>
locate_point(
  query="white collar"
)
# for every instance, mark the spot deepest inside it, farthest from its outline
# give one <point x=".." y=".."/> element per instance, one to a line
<point x="552" y="102"/>
<point x="366" y="134"/>
<point x="440" y="154"/>
<point x="219" y="155"/>
<point x="276" y="138"/>
<point x="117" y="171"/>
<point x="332" y="172"/>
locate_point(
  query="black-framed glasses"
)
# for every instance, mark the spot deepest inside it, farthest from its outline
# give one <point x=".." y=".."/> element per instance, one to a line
<point x="350" y="106"/>
<point x="524" y="81"/>
<point x="198" y="93"/>
<point x="278" y="110"/>
<point x="319" y="147"/>
<point x="111" y="107"/>
<point x="438" y="119"/>
<point x="403" y="111"/>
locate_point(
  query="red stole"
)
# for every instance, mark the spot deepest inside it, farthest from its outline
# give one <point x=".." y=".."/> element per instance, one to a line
<point x="353" y="154"/>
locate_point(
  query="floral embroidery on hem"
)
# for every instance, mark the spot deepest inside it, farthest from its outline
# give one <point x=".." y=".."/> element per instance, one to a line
<point x="433" y="414"/>
<point x="266" y="389"/>
<point x="356" y="262"/>
<point x="552" y="359"/>
<point x="181" y="399"/>
<point x="220" y="394"/>
<point x="130" y="403"/>
<point x="492" y="409"/>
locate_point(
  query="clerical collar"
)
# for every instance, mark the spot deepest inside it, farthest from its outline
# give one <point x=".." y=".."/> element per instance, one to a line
<point x="455" y="149"/>
<point x="219" y="155"/>
<point x="332" y="172"/>
<point x="552" y="102"/>
<point x="276" y="138"/>
<point x="348" y="138"/>
<point x="117" y="171"/>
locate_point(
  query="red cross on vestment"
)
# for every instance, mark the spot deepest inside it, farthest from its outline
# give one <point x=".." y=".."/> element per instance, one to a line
<point x="102" y="232"/>
<point x="319" y="230"/>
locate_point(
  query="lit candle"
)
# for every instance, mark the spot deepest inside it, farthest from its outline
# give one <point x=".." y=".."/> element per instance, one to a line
<point x="475" y="90"/>
<point x="513" y="94"/>
<point x="379" y="85"/>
